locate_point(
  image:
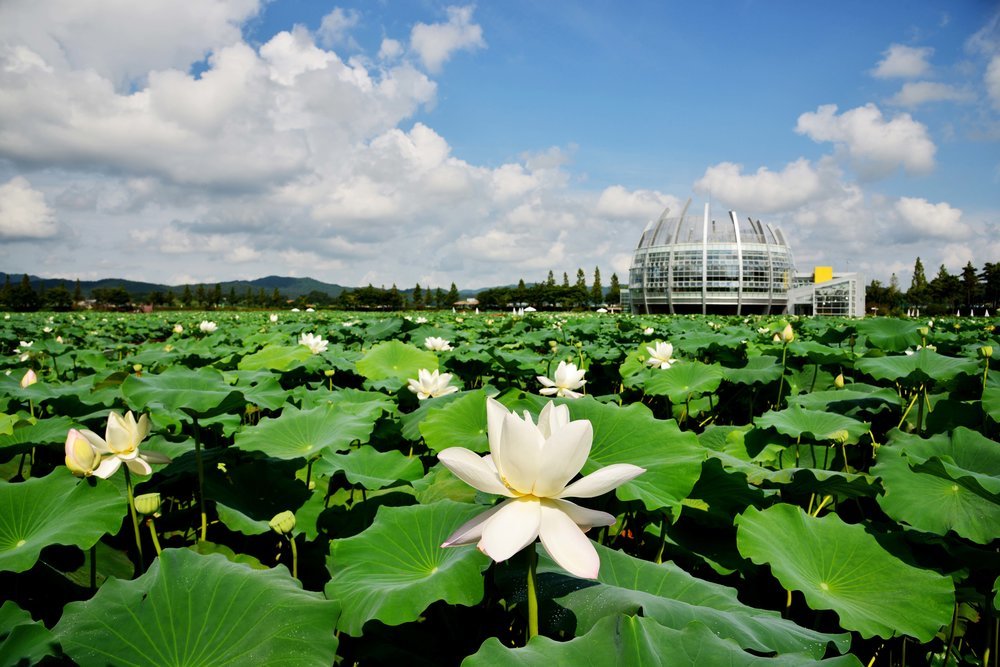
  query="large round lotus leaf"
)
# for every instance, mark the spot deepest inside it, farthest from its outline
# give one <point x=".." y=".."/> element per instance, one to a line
<point x="923" y="365"/>
<point x="842" y="567"/>
<point x="672" y="458"/>
<point x="353" y="400"/>
<point x="396" y="568"/>
<point x="55" y="509"/>
<point x="935" y="503"/>
<point x="306" y="433"/>
<point x="673" y="598"/>
<point x="22" y="640"/>
<point x="797" y="422"/>
<point x="817" y="353"/>
<point x="890" y="334"/>
<point x="991" y="402"/>
<point x="259" y="387"/>
<point x="370" y="468"/>
<point x="395" y="360"/>
<point x="412" y="420"/>
<point x="635" y="640"/>
<point x="275" y="358"/>
<point x="460" y="423"/>
<point x="191" y="610"/>
<point x="24" y="434"/>
<point x="683" y="380"/>
<point x="201" y="392"/>
<point x="856" y="396"/>
<point x="763" y="369"/>
<point x="967" y="455"/>
<point x="439" y="484"/>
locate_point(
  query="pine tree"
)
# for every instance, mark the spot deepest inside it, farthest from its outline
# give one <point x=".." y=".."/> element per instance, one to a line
<point x="565" y="282"/>
<point x="970" y="285"/>
<point x="614" y="290"/>
<point x="418" y="297"/>
<point x="597" y="291"/>
<point x="77" y="292"/>
<point x="918" y="293"/>
<point x="439" y="298"/>
<point x="453" y="296"/>
<point x="551" y="280"/>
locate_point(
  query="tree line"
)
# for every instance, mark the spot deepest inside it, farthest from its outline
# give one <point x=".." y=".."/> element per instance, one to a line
<point x="970" y="291"/>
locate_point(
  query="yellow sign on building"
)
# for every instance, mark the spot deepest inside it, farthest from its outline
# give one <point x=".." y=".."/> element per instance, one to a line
<point x="822" y="273"/>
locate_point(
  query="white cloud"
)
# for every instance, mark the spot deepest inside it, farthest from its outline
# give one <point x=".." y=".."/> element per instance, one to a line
<point x="876" y="146"/>
<point x="390" y="49"/>
<point x="766" y="191"/>
<point x="24" y="213"/>
<point x="902" y="61"/>
<point x="618" y="202"/>
<point x="935" y="220"/>
<point x="914" y="94"/>
<point x="436" y="42"/>
<point x="992" y="81"/>
<point x="335" y="26"/>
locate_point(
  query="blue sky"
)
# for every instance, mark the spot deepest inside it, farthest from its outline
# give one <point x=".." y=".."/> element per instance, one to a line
<point x="403" y="142"/>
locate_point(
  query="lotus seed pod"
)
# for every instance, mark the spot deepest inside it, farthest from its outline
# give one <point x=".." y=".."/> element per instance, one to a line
<point x="838" y="381"/>
<point x="137" y="368"/>
<point x="147" y="503"/>
<point x="553" y="344"/>
<point x="283" y="522"/>
<point x="329" y="372"/>
<point x="840" y="436"/>
<point x="986" y="351"/>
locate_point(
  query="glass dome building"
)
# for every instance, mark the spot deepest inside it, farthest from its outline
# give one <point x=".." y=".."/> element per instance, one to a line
<point x="694" y="264"/>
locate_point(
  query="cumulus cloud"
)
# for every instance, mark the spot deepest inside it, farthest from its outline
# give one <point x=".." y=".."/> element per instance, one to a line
<point x="939" y="220"/>
<point x="900" y="61"/>
<point x="876" y="146"/>
<point x="24" y="214"/>
<point x="435" y="43"/>
<point x="914" y="94"/>
<point x="766" y="191"/>
<point x="617" y="202"/>
<point x="335" y="27"/>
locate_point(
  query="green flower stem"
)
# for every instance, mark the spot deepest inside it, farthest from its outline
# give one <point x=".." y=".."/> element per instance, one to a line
<point x="201" y="479"/>
<point x="31" y="408"/>
<point x="295" y="557"/>
<point x="135" y="519"/>
<point x="532" y="592"/>
<point x="93" y="568"/>
<point x="152" y="532"/>
<point x="781" y="380"/>
<point x="908" y="408"/>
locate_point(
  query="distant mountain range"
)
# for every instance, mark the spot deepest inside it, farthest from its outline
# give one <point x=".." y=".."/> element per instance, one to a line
<point x="289" y="287"/>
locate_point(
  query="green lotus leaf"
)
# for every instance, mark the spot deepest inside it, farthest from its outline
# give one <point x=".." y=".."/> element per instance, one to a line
<point x="307" y="433"/>
<point x="922" y="366"/>
<point x="460" y="423"/>
<point x="7" y="423"/>
<point x="672" y="458"/>
<point x="935" y="503"/>
<point x="237" y="521"/>
<point x="991" y="402"/>
<point x="818" y="353"/>
<point x="673" y="598"/>
<point x="22" y="639"/>
<point x="370" y="468"/>
<point x="856" y="396"/>
<point x="201" y="392"/>
<point x="684" y="380"/>
<point x="797" y="422"/>
<point x="275" y="358"/>
<point x="206" y="548"/>
<point x="259" y="387"/>
<point x="412" y="420"/>
<point x="110" y="563"/>
<point x="395" y="360"/>
<point x="189" y="609"/>
<point x="890" y="334"/>
<point x="396" y="568"/>
<point x="635" y="640"/>
<point x="24" y="435"/>
<point x="55" y="509"/>
<point x="439" y="484"/>
<point x="965" y="455"/>
<point x="763" y="369"/>
<point x="842" y="567"/>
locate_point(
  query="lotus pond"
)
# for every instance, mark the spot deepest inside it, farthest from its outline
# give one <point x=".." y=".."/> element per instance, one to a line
<point x="826" y="492"/>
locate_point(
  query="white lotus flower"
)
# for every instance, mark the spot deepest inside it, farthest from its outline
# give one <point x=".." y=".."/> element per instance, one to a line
<point x="567" y="379"/>
<point x="273" y="317"/>
<point x="30" y="378"/>
<point x="421" y="320"/>
<point x="430" y="384"/>
<point x="648" y="331"/>
<point x="661" y="356"/>
<point x="532" y="466"/>
<point x="24" y="350"/>
<point x="178" y="328"/>
<point x="120" y="444"/>
<point x="316" y="344"/>
<point x="437" y="344"/>
<point x="207" y="327"/>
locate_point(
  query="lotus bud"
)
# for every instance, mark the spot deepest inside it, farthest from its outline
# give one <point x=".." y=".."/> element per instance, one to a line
<point x="147" y="503"/>
<point x="29" y="379"/>
<point x="81" y="457"/>
<point x="776" y="339"/>
<point x="553" y="344"/>
<point x="283" y="523"/>
<point x="923" y="331"/>
<point x="787" y="334"/>
<point x="986" y="351"/>
<point x="840" y="436"/>
<point x="838" y="381"/>
<point x="137" y="368"/>
<point x="329" y="372"/>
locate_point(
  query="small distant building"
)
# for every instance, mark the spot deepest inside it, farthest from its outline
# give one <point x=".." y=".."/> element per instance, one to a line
<point x="695" y="264"/>
<point x="467" y="303"/>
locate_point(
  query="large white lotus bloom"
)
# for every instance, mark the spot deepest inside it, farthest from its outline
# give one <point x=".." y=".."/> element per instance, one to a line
<point x="532" y="465"/>
<point x="316" y="344"/>
<point x="567" y="379"/>
<point x="82" y="458"/>
<point x="430" y="384"/>
<point x="661" y="356"/>
<point x="436" y="344"/>
<point x="119" y="444"/>
<point x="207" y="327"/>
